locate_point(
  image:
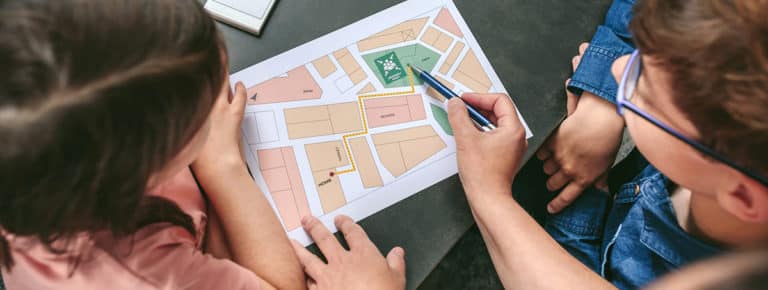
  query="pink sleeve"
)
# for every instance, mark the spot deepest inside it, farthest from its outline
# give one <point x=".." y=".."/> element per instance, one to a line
<point x="166" y="256"/>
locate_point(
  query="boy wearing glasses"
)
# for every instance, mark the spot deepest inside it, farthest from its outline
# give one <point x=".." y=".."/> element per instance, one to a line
<point x="694" y="97"/>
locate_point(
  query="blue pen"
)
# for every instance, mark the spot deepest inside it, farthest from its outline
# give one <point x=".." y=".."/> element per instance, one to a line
<point x="481" y="121"/>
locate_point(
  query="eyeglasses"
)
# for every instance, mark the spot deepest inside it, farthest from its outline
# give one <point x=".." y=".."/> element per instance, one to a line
<point x="627" y="89"/>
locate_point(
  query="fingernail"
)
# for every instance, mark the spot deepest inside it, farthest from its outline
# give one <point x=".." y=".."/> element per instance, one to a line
<point x="399" y="251"/>
<point x="550" y="209"/>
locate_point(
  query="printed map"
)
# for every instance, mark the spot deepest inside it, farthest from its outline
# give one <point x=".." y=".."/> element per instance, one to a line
<point x="350" y="129"/>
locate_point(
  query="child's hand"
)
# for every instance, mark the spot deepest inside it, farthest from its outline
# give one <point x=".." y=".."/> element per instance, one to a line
<point x="222" y="149"/>
<point x="360" y="267"/>
<point x="487" y="161"/>
<point x="583" y="148"/>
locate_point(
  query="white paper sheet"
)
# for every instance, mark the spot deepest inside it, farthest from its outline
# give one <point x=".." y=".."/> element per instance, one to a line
<point x="339" y="125"/>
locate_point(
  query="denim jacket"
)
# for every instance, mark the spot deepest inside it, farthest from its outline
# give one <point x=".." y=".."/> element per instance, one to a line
<point x="611" y="40"/>
<point x="631" y="235"/>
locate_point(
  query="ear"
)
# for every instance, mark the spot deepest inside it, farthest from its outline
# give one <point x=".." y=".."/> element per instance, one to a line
<point x="748" y="200"/>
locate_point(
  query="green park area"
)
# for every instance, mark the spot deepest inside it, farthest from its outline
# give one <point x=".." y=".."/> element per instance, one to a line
<point x="390" y="65"/>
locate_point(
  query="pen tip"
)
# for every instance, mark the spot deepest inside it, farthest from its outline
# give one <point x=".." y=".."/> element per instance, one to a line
<point x="415" y="69"/>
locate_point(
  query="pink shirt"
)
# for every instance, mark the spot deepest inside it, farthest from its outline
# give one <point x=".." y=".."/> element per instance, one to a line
<point x="158" y="256"/>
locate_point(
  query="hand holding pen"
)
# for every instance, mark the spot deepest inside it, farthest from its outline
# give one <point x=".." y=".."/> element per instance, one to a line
<point x="480" y="121"/>
<point x="487" y="161"/>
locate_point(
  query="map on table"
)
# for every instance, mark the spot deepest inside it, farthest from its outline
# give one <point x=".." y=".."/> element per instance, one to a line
<point x="340" y="125"/>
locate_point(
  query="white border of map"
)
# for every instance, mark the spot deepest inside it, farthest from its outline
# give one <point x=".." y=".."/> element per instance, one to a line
<point x="415" y="180"/>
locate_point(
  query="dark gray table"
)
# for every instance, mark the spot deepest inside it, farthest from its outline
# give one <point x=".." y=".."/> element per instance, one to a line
<point x="530" y="44"/>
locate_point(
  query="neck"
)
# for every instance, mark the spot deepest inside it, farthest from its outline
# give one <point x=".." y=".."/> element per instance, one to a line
<point x="708" y="221"/>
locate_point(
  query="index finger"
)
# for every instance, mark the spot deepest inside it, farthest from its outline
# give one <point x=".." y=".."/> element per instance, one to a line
<point x="353" y="233"/>
<point x="500" y="104"/>
<point x="322" y="237"/>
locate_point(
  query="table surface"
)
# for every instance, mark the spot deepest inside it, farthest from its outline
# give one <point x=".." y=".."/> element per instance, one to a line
<point x="529" y="43"/>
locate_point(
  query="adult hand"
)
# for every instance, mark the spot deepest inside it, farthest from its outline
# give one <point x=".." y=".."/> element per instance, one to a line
<point x="583" y="148"/>
<point x="487" y="160"/>
<point x="222" y="148"/>
<point x="360" y="267"/>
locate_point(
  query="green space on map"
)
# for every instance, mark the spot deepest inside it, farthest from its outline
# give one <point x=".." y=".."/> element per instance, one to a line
<point x="390" y="65"/>
<point x="441" y="116"/>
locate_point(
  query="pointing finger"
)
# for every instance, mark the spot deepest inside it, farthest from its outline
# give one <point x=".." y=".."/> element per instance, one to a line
<point x="353" y="233"/>
<point x="557" y="180"/>
<point x="565" y="198"/>
<point x="324" y="239"/>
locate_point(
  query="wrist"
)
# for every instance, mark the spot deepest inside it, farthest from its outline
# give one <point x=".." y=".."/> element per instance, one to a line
<point x="219" y="166"/>
<point x="597" y="108"/>
<point x="488" y="190"/>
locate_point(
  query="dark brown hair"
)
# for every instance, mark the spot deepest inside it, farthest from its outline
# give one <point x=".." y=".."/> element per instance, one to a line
<point x="95" y="97"/>
<point x="716" y="55"/>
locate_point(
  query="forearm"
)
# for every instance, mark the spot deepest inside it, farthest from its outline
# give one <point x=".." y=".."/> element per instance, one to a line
<point x="215" y="240"/>
<point x="524" y="255"/>
<point x="254" y="235"/>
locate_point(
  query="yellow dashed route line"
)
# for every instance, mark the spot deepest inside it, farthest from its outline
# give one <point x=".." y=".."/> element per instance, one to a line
<point x="365" y="123"/>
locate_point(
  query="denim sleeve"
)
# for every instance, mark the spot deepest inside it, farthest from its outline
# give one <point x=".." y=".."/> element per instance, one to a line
<point x="611" y="41"/>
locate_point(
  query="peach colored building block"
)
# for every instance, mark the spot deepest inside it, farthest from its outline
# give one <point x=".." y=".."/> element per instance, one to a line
<point x="298" y="84"/>
<point x="445" y="21"/>
<point x="324" y="66"/>
<point x="451" y="59"/>
<point x="280" y="171"/>
<point x="324" y="158"/>
<point x="402" y="150"/>
<point x="270" y="158"/>
<point x="471" y="74"/>
<point x="402" y="32"/>
<point x="367" y="89"/>
<point x="300" y="196"/>
<point x="311" y="121"/>
<point x="416" y="107"/>
<point x="437" y="39"/>
<point x="366" y="166"/>
<point x="350" y="66"/>
<point x="394" y="110"/>
<point x="289" y="214"/>
<point x="277" y="179"/>
<point x="378" y="117"/>
<point x="385" y="102"/>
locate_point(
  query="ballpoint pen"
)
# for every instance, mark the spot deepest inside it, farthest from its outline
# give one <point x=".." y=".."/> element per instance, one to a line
<point x="481" y="121"/>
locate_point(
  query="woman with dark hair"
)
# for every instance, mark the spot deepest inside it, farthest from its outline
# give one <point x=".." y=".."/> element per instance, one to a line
<point x="103" y="107"/>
